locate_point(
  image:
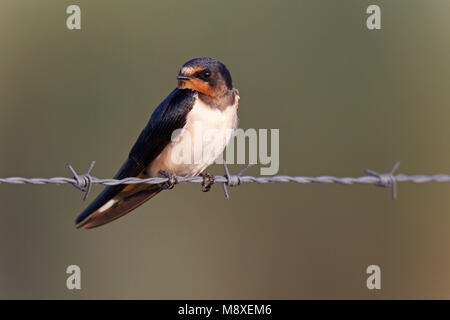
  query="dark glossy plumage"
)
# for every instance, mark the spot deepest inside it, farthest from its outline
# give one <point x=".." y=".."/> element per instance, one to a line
<point x="168" y="116"/>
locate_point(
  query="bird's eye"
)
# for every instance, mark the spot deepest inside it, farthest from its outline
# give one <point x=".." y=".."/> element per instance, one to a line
<point x="206" y="74"/>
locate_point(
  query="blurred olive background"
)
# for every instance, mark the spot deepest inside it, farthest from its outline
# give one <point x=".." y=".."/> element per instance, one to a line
<point x="344" y="98"/>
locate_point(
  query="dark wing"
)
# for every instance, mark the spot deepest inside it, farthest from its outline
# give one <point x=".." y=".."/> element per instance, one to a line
<point x="168" y="116"/>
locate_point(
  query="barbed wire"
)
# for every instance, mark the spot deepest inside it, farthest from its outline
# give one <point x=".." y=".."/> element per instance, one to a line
<point x="84" y="181"/>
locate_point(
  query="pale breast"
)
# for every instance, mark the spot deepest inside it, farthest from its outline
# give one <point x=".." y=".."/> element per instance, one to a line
<point x="203" y="138"/>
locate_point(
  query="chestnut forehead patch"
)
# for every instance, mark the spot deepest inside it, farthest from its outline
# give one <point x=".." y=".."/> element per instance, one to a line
<point x="197" y="85"/>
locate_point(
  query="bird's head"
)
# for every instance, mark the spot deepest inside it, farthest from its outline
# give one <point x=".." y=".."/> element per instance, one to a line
<point x="205" y="75"/>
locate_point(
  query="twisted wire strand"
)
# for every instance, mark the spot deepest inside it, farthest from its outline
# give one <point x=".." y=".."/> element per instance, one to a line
<point x="84" y="181"/>
<point x="242" y="179"/>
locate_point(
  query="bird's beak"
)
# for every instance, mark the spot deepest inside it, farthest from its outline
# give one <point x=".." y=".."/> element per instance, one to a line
<point x="183" y="77"/>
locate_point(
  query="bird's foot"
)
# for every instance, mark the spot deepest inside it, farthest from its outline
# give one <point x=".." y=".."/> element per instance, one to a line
<point x="171" y="182"/>
<point x="208" y="181"/>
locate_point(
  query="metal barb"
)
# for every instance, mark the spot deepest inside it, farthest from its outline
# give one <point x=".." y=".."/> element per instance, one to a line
<point x="232" y="180"/>
<point x="387" y="179"/>
<point x="83" y="182"/>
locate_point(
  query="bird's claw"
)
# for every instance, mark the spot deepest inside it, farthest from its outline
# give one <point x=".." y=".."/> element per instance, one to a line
<point x="171" y="182"/>
<point x="208" y="181"/>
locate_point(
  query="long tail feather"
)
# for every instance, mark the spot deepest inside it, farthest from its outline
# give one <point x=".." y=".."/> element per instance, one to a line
<point x="120" y="205"/>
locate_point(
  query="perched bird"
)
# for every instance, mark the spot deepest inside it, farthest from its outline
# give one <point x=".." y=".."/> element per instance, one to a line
<point x="184" y="135"/>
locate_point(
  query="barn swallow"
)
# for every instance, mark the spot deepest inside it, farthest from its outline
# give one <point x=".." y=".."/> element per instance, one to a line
<point x="204" y="99"/>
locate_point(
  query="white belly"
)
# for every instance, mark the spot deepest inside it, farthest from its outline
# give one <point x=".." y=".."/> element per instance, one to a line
<point x="196" y="146"/>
